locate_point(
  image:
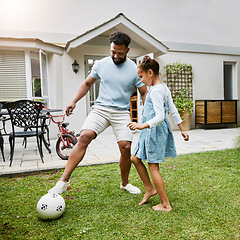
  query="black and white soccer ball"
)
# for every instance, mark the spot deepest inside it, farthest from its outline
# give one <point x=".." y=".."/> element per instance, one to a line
<point x="50" y="206"/>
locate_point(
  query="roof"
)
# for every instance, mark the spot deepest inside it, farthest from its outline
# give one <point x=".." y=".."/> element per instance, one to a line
<point x="35" y="43"/>
<point x="202" y="48"/>
<point x="123" y="24"/>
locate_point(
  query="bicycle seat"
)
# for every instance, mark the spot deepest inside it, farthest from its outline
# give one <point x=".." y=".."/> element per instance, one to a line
<point x="65" y="124"/>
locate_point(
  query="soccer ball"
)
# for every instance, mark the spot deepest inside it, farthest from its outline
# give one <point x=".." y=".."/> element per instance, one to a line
<point x="50" y="206"/>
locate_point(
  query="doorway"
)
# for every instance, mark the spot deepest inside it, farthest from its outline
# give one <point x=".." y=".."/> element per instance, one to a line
<point x="228" y="80"/>
<point x="94" y="90"/>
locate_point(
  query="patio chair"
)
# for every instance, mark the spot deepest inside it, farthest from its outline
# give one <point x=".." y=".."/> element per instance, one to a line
<point x="1" y="137"/>
<point x="24" y="114"/>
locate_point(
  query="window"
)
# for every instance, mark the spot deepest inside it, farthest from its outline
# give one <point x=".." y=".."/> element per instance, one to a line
<point x="36" y="78"/>
<point x="39" y="77"/>
<point x="12" y="75"/>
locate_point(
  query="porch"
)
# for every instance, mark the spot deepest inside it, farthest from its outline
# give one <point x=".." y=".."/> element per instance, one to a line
<point x="104" y="150"/>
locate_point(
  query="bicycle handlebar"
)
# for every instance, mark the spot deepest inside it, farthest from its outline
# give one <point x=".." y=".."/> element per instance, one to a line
<point x="55" y="116"/>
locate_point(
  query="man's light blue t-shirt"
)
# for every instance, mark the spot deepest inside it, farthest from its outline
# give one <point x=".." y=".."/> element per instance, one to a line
<point x="116" y="82"/>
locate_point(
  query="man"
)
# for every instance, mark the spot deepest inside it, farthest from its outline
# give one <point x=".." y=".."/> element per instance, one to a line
<point x="118" y="77"/>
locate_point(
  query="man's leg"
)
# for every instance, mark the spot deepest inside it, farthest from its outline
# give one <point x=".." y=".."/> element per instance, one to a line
<point x="96" y="120"/>
<point x="78" y="153"/>
<point x="125" y="161"/>
<point x="119" y="120"/>
<point x="75" y="158"/>
<point x="125" y="165"/>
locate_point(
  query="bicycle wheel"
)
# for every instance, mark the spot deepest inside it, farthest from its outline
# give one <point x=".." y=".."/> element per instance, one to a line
<point x="63" y="150"/>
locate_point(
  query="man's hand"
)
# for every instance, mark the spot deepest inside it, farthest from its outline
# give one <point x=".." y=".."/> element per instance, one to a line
<point x="69" y="109"/>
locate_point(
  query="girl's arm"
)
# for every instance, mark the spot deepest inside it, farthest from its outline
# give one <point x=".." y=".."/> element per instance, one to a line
<point x="176" y="117"/>
<point x="157" y="98"/>
<point x="172" y="108"/>
<point x="143" y="92"/>
<point x="158" y="104"/>
<point x="183" y="132"/>
<point x="134" y="126"/>
<point x="140" y="126"/>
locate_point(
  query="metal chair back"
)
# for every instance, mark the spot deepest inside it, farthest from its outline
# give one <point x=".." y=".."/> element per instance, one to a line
<point x="24" y="113"/>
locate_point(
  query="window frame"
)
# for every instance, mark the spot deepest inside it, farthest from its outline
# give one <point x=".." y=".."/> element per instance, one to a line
<point x="44" y="97"/>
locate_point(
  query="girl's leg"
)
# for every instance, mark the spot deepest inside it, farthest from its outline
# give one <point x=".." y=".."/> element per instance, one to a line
<point x="159" y="185"/>
<point x="142" y="171"/>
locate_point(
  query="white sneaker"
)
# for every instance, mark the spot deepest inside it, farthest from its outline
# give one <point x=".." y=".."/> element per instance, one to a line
<point x="60" y="187"/>
<point x="130" y="188"/>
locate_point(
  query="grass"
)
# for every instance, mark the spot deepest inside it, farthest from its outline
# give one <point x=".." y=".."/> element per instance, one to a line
<point x="237" y="142"/>
<point x="203" y="189"/>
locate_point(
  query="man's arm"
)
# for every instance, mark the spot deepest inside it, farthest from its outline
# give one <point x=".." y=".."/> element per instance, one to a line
<point x="143" y="91"/>
<point x="82" y="91"/>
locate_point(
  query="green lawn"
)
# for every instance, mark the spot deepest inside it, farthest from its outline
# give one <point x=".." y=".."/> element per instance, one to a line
<point x="203" y="189"/>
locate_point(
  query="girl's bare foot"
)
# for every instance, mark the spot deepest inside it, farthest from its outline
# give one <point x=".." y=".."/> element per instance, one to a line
<point x="147" y="195"/>
<point x="160" y="207"/>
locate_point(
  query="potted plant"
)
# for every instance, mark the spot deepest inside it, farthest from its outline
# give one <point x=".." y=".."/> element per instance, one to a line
<point x="184" y="106"/>
<point x="179" y="81"/>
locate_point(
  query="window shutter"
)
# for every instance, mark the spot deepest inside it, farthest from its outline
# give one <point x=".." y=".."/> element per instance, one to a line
<point x="12" y="75"/>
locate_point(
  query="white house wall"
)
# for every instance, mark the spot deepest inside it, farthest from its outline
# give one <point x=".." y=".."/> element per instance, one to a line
<point x="207" y="74"/>
<point x="55" y="80"/>
<point x="55" y="87"/>
<point x="207" y="81"/>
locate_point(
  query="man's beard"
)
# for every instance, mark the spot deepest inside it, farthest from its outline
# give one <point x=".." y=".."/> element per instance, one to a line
<point x="119" y="62"/>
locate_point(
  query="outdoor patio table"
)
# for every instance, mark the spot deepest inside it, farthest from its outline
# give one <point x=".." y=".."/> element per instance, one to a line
<point x="44" y="126"/>
<point x="44" y="111"/>
<point x="3" y="112"/>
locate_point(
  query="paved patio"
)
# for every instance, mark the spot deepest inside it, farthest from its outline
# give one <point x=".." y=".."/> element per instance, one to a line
<point x="104" y="149"/>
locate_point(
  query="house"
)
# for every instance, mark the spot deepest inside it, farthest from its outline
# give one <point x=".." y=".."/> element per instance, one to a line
<point x="37" y="69"/>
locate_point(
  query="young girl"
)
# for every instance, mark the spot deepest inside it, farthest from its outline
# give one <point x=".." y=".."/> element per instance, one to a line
<point x="156" y="139"/>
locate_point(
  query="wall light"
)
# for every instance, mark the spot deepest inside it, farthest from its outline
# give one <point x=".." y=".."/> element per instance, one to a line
<point x="75" y="66"/>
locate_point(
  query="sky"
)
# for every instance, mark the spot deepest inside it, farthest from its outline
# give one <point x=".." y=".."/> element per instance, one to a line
<point x="195" y="21"/>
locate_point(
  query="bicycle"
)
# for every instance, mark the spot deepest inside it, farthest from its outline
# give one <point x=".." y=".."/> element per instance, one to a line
<point x="66" y="139"/>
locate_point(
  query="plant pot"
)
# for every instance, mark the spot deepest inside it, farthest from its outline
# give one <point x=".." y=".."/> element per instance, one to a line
<point x="187" y="120"/>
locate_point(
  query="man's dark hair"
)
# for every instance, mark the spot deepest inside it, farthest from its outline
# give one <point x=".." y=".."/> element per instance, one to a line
<point x="119" y="38"/>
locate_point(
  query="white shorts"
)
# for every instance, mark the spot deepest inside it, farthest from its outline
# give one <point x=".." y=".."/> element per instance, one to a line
<point x="102" y="117"/>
